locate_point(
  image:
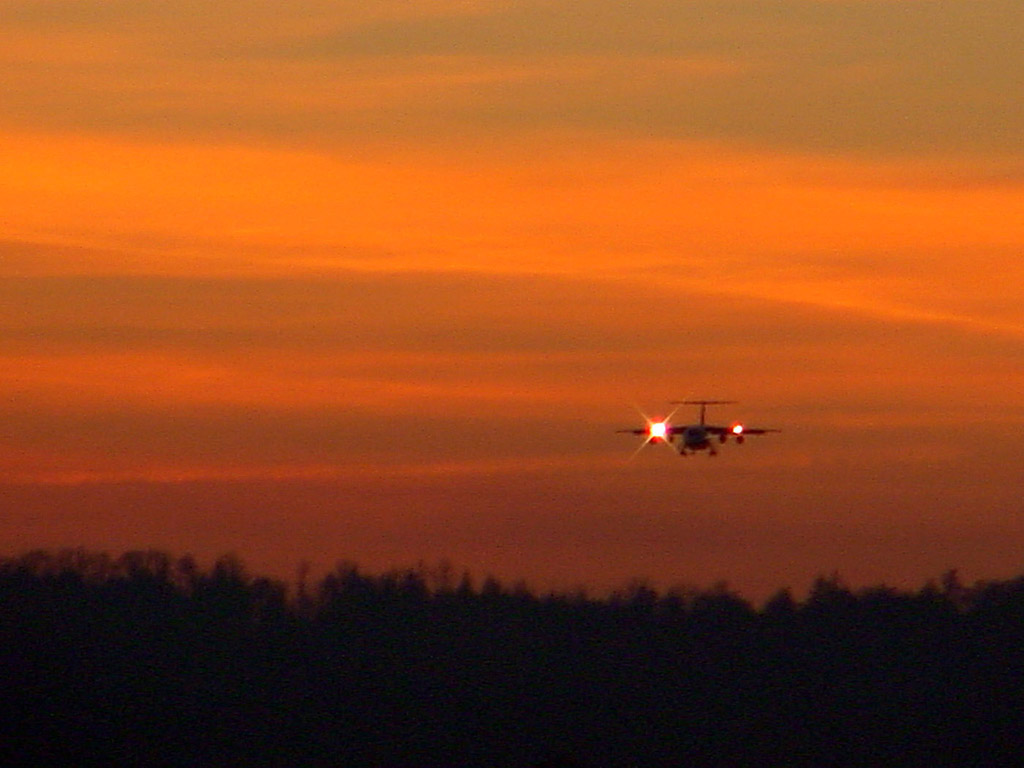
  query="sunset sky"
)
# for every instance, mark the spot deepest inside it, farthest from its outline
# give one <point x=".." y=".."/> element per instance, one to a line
<point x="377" y="281"/>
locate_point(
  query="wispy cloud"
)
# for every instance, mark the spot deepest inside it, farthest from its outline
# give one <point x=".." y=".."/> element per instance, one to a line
<point x="144" y="374"/>
<point x="868" y="76"/>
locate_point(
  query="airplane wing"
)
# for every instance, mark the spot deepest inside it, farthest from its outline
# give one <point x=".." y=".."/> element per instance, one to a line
<point x="655" y="431"/>
<point x="647" y="431"/>
<point x="737" y="429"/>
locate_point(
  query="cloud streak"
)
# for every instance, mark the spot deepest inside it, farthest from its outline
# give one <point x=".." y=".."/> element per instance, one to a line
<point x="865" y="76"/>
<point x="184" y="375"/>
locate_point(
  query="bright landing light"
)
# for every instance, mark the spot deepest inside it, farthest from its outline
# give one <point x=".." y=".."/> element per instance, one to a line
<point x="737" y="429"/>
<point x="658" y="430"/>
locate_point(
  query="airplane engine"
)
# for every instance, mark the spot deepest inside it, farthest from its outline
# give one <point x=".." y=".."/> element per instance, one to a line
<point x="739" y="439"/>
<point x="722" y="438"/>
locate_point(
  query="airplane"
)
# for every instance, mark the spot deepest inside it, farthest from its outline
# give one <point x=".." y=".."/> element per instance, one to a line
<point x="694" y="437"/>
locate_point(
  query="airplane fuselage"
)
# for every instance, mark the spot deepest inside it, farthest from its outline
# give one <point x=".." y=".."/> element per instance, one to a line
<point x="695" y="438"/>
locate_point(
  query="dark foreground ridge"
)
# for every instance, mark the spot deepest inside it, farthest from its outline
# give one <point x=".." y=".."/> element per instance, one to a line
<point x="149" y="660"/>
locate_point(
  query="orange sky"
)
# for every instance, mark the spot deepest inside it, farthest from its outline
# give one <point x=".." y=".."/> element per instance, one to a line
<point x="378" y="281"/>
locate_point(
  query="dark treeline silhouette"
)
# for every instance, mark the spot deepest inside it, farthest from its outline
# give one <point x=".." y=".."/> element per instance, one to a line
<point x="145" y="659"/>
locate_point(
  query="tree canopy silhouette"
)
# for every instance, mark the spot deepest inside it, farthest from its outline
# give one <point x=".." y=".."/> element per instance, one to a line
<point x="148" y="659"/>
